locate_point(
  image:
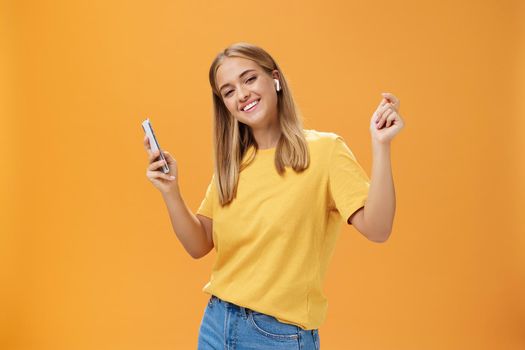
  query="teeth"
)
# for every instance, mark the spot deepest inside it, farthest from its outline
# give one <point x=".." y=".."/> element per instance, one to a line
<point x="250" y="105"/>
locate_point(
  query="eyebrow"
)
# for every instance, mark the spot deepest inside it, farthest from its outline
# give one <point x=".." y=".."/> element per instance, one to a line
<point x="240" y="76"/>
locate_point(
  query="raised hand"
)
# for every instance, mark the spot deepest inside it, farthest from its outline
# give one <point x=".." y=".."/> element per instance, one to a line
<point x="163" y="182"/>
<point x="386" y="122"/>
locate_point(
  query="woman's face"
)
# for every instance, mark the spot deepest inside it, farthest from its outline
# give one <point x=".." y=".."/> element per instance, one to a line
<point x="242" y="81"/>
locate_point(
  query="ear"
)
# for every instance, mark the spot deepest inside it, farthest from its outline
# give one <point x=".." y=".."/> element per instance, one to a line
<point x="275" y="74"/>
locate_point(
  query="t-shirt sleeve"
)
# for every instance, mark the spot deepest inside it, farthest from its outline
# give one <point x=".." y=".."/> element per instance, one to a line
<point x="348" y="182"/>
<point x="206" y="206"/>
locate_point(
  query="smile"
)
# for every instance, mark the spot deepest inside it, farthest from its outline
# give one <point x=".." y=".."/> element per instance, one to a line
<point x="252" y="106"/>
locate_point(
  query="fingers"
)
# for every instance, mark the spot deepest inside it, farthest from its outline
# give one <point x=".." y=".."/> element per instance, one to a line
<point x="152" y="172"/>
<point x="382" y="114"/>
<point x="390" y="119"/>
<point x="168" y="157"/>
<point x="155" y="165"/>
<point x="380" y="110"/>
<point x="148" y="148"/>
<point x="153" y="155"/>
<point x="383" y="120"/>
<point x="159" y="175"/>
<point x="392" y="99"/>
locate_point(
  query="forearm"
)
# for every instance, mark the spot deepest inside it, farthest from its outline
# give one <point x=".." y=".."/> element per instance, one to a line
<point x="380" y="205"/>
<point x="186" y="226"/>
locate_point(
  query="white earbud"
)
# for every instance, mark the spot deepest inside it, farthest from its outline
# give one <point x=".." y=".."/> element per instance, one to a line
<point x="277" y="84"/>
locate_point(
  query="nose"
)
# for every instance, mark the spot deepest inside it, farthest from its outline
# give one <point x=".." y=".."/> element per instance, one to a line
<point x="243" y="94"/>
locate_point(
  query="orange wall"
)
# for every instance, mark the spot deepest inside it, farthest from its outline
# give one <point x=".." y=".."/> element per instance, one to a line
<point x="88" y="257"/>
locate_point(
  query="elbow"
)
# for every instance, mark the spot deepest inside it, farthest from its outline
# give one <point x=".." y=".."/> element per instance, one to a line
<point x="197" y="255"/>
<point x="379" y="237"/>
<point x="200" y="254"/>
<point x="380" y="232"/>
<point x="193" y="252"/>
<point x="377" y="229"/>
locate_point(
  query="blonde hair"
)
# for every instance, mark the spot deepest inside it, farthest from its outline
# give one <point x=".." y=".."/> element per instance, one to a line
<point x="231" y="139"/>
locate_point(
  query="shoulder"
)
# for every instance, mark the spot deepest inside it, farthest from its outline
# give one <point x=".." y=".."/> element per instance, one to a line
<point x="329" y="144"/>
<point x="325" y="140"/>
<point x="313" y="135"/>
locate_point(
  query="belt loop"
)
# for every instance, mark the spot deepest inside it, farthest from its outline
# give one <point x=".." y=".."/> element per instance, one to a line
<point x="243" y="312"/>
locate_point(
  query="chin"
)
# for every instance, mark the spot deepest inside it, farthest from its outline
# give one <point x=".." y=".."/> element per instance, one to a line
<point x="250" y="120"/>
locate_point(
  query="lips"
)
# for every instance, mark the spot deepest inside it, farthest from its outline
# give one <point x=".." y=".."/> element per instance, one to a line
<point x="247" y="103"/>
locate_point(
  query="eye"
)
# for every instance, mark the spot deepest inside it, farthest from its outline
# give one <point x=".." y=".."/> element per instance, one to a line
<point x="250" y="79"/>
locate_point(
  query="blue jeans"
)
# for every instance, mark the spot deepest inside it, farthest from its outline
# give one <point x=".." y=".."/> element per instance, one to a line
<point x="226" y="326"/>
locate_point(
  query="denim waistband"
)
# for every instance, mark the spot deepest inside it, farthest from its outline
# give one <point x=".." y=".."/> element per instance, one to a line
<point x="243" y="310"/>
<point x="224" y="316"/>
<point x="229" y="304"/>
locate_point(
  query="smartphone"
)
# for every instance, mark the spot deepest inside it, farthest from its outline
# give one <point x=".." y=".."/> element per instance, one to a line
<point x="154" y="144"/>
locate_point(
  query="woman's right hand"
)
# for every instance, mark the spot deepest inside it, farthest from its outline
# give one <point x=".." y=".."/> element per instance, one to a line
<point x="163" y="182"/>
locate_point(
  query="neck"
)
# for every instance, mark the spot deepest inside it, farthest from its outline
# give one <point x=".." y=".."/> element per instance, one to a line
<point x="267" y="137"/>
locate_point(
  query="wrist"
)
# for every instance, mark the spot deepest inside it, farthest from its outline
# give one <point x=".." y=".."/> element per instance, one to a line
<point x="378" y="147"/>
<point x="172" y="193"/>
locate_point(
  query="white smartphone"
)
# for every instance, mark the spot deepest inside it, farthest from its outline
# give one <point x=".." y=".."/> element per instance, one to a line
<point x="154" y="144"/>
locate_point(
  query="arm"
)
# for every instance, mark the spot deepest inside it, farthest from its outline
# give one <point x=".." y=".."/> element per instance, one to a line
<point x="193" y="232"/>
<point x="375" y="219"/>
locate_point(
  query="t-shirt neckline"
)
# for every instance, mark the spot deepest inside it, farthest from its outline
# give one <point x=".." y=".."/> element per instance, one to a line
<point x="264" y="151"/>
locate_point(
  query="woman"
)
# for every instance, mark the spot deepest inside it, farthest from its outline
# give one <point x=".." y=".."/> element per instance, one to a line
<point x="274" y="206"/>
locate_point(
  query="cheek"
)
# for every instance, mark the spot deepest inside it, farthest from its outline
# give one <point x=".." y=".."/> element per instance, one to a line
<point x="229" y="105"/>
<point x="271" y="99"/>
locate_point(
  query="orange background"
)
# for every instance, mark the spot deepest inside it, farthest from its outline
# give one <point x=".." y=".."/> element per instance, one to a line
<point x="88" y="256"/>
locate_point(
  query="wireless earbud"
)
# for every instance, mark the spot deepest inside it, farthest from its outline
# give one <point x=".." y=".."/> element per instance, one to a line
<point x="277" y="84"/>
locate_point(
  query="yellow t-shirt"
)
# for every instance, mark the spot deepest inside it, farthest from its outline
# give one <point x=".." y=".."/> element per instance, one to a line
<point x="275" y="239"/>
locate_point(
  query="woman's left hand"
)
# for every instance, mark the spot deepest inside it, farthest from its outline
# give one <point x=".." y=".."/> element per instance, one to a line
<point x="386" y="121"/>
